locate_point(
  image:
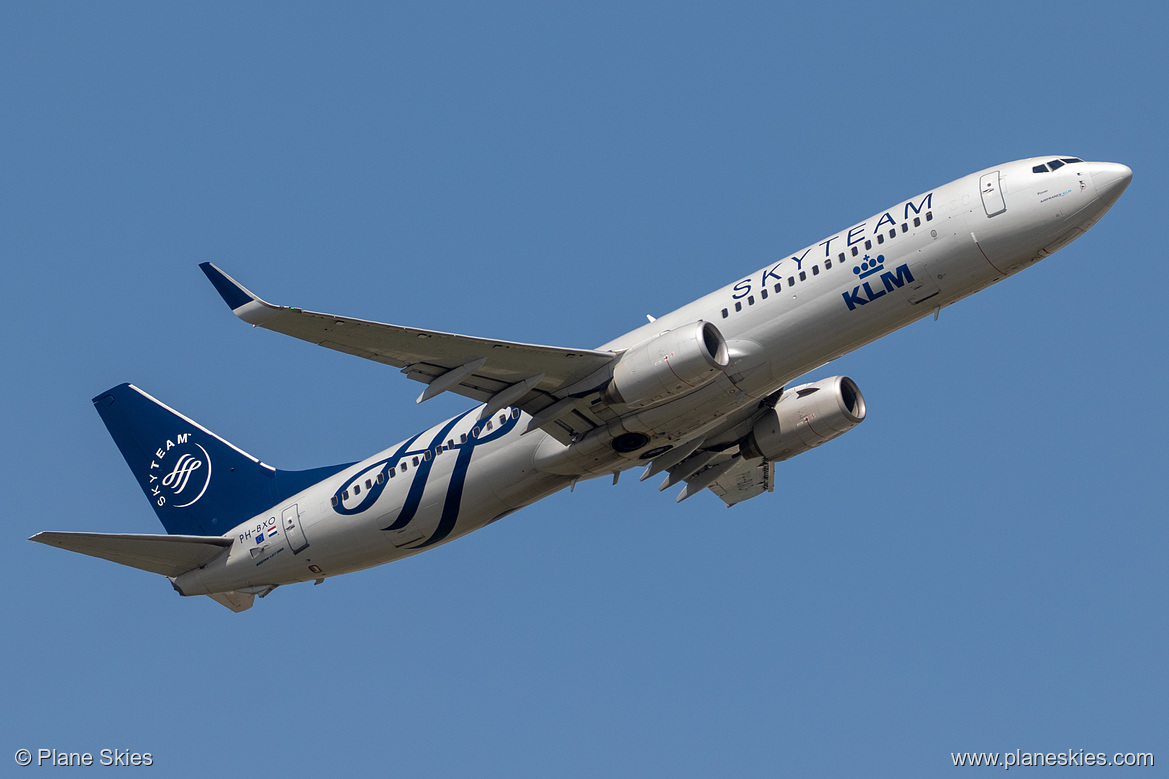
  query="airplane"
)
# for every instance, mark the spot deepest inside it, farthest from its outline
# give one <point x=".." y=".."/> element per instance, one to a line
<point x="698" y="396"/>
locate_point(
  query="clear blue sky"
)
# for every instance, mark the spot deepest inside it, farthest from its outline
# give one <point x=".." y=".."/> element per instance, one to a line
<point x="980" y="566"/>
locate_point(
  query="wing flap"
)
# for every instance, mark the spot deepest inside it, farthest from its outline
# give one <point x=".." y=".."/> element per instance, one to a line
<point x="725" y="474"/>
<point x="746" y="480"/>
<point x="235" y="600"/>
<point x="166" y="555"/>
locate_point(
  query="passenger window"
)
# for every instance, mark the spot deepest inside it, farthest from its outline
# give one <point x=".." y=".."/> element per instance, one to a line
<point x="462" y="438"/>
<point x="381" y="478"/>
<point x="929" y="216"/>
<point x="778" y="286"/>
<point x="904" y="227"/>
<point x="893" y="233"/>
<point x="415" y="462"/>
<point x="488" y="424"/>
<point x="803" y="275"/>
<point x="356" y="489"/>
<point x="450" y="444"/>
<point x="515" y="413"/>
<point x="841" y="257"/>
<point x="763" y="294"/>
<point x="738" y="305"/>
<point x="403" y="466"/>
<point x="791" y="281"/>
<point x="881" y="238"/>
<point x="854" y="251"/>
<point x="502" y="418"/>
<point x="868" y="245"/>
<point x="393" y="472"/>
<point x="345" y="495"/>
<point x="368" y="484"/>
<point x="725" y="314"/>
<point x="475" y="432"/>
<point x="815" y="270"/>
<point x="426" y="455"/>
<point x="750" y="300"/>
<point x="827" y="264"/>
<point x="916" y="223"/>
<point x="334" y="500"/>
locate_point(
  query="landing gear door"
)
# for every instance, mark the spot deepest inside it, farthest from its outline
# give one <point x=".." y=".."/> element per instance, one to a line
<point x="292" y="529"/>
<point x="992" y="194"/>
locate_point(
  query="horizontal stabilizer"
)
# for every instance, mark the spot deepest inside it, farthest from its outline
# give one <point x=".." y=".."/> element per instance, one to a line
<point x="167" y="555"/>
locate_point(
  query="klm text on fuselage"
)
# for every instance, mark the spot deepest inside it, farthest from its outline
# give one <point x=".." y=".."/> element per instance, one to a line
<point x="863" y="293"/>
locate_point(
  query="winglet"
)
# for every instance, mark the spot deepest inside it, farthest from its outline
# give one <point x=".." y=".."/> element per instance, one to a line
<point x="242" y="301"/>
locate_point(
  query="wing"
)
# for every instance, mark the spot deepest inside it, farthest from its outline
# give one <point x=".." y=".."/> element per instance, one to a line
<point x="167" y="555"/>
<point x="551" y="384"/>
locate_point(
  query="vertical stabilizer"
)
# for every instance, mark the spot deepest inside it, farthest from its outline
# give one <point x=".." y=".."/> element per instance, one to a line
<point x="198" y="483"/>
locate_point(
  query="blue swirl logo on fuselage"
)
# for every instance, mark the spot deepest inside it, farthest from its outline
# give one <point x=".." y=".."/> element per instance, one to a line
<point x="377" y="475"/>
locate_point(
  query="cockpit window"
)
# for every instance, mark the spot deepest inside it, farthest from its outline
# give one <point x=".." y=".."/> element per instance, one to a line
<point x="1054" y="165"/>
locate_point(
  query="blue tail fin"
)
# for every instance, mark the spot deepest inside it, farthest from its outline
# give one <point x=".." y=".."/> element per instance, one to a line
<point x="198" y="483"/>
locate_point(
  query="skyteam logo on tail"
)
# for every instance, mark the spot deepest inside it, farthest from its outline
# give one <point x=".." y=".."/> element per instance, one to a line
<point x="179" y="473"/>
<point x="863" y="294"/>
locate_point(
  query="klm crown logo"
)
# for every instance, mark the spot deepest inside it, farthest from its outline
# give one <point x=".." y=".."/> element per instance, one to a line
<point x="863" y="293"/>
<point x="870" y="266"/>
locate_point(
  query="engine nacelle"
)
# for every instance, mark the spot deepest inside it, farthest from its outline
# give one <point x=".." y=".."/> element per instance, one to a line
<point x="673" y="363"/>
<point x="805" y="417"/>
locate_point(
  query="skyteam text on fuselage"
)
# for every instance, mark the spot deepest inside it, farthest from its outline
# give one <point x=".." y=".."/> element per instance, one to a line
<point x="699" y="395"/>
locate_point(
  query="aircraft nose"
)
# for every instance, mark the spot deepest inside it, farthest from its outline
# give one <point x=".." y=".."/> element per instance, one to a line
<point x="1110" y="180"/>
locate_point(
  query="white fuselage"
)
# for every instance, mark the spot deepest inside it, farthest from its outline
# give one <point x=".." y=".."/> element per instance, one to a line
<point x="780" y="322"/>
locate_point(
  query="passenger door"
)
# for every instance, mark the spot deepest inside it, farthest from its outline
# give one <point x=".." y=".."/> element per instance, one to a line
<point x="992" y="194"/>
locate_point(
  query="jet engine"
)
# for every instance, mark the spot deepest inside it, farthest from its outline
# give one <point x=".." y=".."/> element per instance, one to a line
<point x="673" y="363"/>
<point x="805" y="417"/>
